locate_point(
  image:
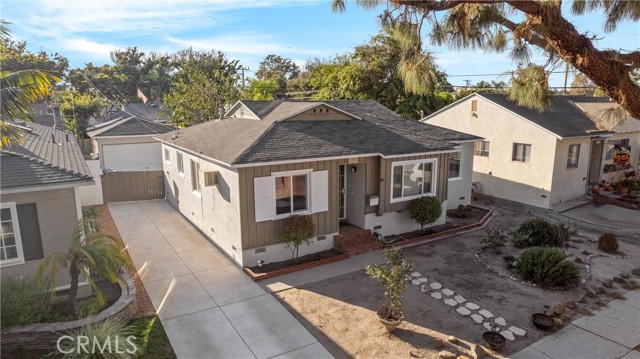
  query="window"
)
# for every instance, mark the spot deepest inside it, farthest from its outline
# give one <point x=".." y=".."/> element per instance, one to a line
<point x="612" y="144"/>
<point x="413" y="179"/>
<point x="521" y="152"/>
<point x="454" y="165"/>
<point x="195" y="176"/>
<point x="167" y="159"/>
<point x="481" y="148"/>
<point x="574" y="154"/>
<point x="10" y="244"/>
<point x="474" y="105"/>
<point x="180" y="163"/>
<point x="291" y="194"/>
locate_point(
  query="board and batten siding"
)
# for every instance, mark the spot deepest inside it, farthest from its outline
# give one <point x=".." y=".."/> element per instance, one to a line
<point x="266" y="233"/>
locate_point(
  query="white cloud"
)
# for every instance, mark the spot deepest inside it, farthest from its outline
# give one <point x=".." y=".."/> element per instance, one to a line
<point x="95" y="49"/>
<point x="243" y="44"/>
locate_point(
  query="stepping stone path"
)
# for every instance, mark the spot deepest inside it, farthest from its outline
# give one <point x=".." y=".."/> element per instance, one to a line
<point x="450" y="302"/>
<point x="507" y="334"/>
<point x="472" y="306"/>
<point x="517" y="331"/>
<point x="485" y="313"/>
<point x="465" y="308"/>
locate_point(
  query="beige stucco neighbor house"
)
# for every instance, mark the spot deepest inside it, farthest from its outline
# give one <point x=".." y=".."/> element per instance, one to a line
<point x="541" y="158"/>
<point x="40" y="205"/>
<point x="354" y="161"/>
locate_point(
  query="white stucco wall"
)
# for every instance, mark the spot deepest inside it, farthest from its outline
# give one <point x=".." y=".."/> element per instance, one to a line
<point x="216" y="210"/>
<point x="279" y="252"/>
<point x="459" y="190"/>
<point x="570" y="182"/>
<point x="498" y="175"/>
<point x="398" y="222"/>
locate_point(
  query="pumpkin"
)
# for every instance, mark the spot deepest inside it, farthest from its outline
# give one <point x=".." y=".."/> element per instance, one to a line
<point x="595" y="190"/>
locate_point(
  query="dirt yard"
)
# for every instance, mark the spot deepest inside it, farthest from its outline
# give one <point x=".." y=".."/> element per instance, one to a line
<point x="340" y="311"/>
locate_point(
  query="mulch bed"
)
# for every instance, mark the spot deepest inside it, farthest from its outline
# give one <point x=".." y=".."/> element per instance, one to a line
<point x="474" y="215"/>
<point x="107" y="226"/>
<point x="275" y="266"/>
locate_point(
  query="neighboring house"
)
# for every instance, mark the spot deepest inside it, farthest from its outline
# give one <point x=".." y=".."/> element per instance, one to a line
<point x="48" y="114"/>
<point x="353" y="161"/>
<point x="40" y="180"/>
<point x="540" y="158"/>
<point x="128" y="144"/>
<point x="153" y="112"/>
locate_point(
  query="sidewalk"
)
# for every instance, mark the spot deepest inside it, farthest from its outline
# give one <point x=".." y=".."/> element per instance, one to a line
<point x="209" y="308"/>
<point x="612" y="332"/>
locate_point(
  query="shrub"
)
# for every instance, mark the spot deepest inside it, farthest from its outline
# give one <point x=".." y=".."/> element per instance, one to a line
<point x="425" y="210"/>
<point x="495" y="240"/>
<point x="565" y="232"/>
<point x="537" y="232"/>
<point x="392" y="276"/>
<point x="461" y="212"/>
<point x="22" y="302"/>
<point x="297" y="230"/>
<point x="608" y="242"/>
<point x="113" y="329"/>
<point x="548" y="268"/>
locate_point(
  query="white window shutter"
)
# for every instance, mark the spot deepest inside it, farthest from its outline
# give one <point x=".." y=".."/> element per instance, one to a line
<point x="319" y="191"/>
<point x="264" y="191"/>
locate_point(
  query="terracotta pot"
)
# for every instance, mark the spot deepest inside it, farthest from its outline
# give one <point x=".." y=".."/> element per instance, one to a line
<point x="390" y="324"/>
<point x="623" y="190"/>
<point x="595" y="190"/>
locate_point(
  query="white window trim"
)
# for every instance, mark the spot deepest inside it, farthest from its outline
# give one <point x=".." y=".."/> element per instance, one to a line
<point x="167" y="156"/>
<point x="459" y="171"/>
<point x="178" y="162"/>
<point x="16" y="232"/>
<point x="570" y="165"/>
<point x="412" y="162"/>
<point x="195" y="190"/>
<point x="524" y="157"/>
<point x="305" y="172"/>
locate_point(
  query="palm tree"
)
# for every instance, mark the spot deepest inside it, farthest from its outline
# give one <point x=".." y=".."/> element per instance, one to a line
<point x="90" y="252"/>
<point x="18" y="91"/>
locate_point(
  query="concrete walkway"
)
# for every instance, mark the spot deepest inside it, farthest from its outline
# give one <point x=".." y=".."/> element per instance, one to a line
<point x="612" y="332"/>
<point x="209" y="308"/>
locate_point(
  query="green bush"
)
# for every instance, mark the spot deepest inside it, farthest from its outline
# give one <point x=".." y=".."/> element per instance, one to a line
<point x="538" y="232"/>
<point x="110" y="329"/>
<point x="296" y="230"/>
<point x="495" y="240"/>
<point x="548" y="268"/>
<point x="608" y="242"/>
<point x="425" y="210"/>
<point x="392" y="276"/>
<point x="22" y="303"/>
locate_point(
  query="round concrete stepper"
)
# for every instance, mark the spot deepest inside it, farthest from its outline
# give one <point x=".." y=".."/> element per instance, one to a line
<point x="436" y="295"/>
<point x="485" y="313"/>
<point x="472" y="306"/>
<point x="416" y="282"/>
<point x="477" y="318"/>
<point x="507" y="334"/>
<point x="436" y="285"/>
<point x="423" y="279"/>
<point x="463" y="311"/>
<point x="487" y="325"/>
<point x="448" y="292"/>
<point x="460" y="299"/>
<point x="500" y="321"/>
<point x="416" y="275"/>
<point x="518" y="331"/>
<point x="450" y="302"/>
<point x="424" y="288"/>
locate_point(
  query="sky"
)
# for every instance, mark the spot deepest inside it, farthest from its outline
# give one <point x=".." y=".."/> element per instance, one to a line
<point x="247" y="30"/>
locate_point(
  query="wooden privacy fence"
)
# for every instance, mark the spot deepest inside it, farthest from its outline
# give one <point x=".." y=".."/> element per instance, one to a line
<point x="132" y="186"/>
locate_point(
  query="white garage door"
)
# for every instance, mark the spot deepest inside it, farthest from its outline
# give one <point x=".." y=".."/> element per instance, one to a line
<point x="133" y="157"/>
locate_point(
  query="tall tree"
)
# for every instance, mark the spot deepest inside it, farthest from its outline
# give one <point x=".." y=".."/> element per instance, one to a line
<point x="14" y="56"/>
<point x="279" y="69"/>
<point x="77" y="108"/>
<point x="493" y="24"/>
<point x="18" y="90"/>
<point x="203" y="84"/>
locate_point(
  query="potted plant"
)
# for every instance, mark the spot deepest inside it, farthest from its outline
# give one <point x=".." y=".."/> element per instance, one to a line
<point x="392" y="276"/>
<point x="624" y="186"/>
<point x="603" y="183"/>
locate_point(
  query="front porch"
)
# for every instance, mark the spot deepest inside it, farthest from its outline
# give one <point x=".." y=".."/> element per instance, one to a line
<point x="355" y="240"/>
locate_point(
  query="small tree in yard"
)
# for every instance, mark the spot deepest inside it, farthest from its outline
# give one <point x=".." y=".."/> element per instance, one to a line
<point x="392" y="276"/>
<point x="90" y="252"/>
<point x="297" y="230"/>
<point x="425" y="210"/>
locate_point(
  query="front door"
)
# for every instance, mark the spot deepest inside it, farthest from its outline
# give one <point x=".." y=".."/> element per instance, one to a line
<point x="342" y="193"/>
<point x="596" y="159"/>
<point x="355" y="200"/>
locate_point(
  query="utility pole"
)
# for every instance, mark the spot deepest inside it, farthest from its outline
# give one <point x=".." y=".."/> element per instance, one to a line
<point x="466" y="84"/>
<point x="243" y="69"/>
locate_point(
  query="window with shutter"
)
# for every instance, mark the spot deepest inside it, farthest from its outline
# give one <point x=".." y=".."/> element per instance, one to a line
<point x="30" y="231"/>
<point x="10" y="241"/>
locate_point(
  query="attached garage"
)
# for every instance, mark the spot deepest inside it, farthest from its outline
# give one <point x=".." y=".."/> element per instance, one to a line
<point x="132" y="157"/>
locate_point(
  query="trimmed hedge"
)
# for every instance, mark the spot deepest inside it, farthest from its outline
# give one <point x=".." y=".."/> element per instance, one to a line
<point x="538" y="232"/>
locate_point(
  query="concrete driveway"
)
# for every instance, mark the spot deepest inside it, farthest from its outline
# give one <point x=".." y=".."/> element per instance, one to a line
<point x="208" y="306"/>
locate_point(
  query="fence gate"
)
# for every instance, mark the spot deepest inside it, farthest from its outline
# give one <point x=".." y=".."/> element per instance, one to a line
<point x="133" y="186"/>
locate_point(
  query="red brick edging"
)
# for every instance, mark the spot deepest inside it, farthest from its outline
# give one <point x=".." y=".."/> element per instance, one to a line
<point x="260" y="276"/>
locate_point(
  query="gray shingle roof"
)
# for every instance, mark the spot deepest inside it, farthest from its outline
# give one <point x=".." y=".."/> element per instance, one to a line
<point x="564" y="118"/>
<point x="244" y="141"/>
<point x="38" y="160"/>
<point x="129" y="126"/>
<point x="149" y="112"/>
<point x="48" y="115"/>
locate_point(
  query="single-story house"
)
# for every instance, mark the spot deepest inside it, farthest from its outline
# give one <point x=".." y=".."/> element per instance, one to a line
<point x="40" y="180"/>
<point x="127" y="144"/>
<point x="153" y="111"/>
<point x="356" y="161"/>
<point x="542" y="158"/>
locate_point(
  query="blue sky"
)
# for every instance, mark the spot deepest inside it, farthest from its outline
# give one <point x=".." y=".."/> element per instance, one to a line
<point x="247" y="30"/>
